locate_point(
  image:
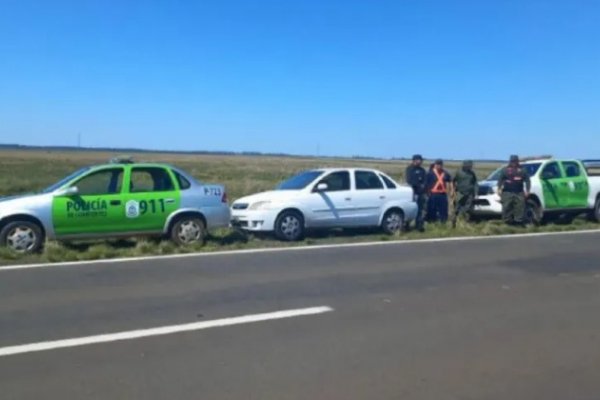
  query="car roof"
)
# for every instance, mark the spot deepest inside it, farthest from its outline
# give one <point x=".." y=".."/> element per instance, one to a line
<point x="543" y="160"/>
<point x="352" y="169"/>
<point x="133" y="164"/>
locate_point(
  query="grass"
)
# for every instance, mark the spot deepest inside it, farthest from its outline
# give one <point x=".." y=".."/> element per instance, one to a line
<point x="28" y="171"/>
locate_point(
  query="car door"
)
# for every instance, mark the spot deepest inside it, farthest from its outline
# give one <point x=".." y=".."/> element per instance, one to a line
<point x="150" y="197"/>
<point x="552" y="186"/>
<point x="97" y="208"/>
<point x="576" y="184"/>
<point x="369" y="198"/>
<point x="333" y="206"/>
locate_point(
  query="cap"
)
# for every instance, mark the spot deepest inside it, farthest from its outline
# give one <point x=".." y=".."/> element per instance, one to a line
<point x="467" y="163"/>
<point x="439" y="161"/>
<point x="417" y="157"/>
<point x="514" y="158"/>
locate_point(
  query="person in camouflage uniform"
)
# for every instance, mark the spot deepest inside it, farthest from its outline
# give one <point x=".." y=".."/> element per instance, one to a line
<point x="514" y="186"/>
<point x="465" y="190"/>
<point x="416" y="177"/>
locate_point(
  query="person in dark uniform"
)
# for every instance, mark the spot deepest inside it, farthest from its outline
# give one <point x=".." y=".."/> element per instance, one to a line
<point x="514" y="186"/>
<point x="416" y="177"/>
<point x="438" y="188"/>
<point x="465" y="191"/>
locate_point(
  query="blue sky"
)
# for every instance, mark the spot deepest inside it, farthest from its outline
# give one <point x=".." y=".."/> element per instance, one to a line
<point x="382" y="78"/>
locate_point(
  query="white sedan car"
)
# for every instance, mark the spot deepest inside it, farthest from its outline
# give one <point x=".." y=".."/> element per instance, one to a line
<point x="327" y="198"/>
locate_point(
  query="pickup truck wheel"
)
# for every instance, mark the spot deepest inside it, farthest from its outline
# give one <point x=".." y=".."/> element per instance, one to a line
<point x="188" y="230"/>
<point x="289" y="226"/>
<point x="393" y="222"/>
<point x="596" y="214"/>
<point x="533" y="213"/>
<point x="22" y="237"/>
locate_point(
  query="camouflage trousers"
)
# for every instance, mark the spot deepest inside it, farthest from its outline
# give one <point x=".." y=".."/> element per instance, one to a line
<point x="513" y="208"/>
<point x="463" y="206"/>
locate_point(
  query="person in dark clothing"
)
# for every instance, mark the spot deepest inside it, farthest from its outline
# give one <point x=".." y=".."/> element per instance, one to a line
<point x="465" y="192"/>
<point x="438" y="188"/>
<point x="416" y="177"/>
<point x="514" y="186"/>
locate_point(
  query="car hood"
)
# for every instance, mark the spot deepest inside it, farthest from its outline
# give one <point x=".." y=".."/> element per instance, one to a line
<point x="488" y="183"/>
<point x="273" y="196"/>
<point x="21" y="202"/>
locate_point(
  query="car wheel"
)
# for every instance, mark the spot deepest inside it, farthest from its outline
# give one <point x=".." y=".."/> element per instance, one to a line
<point x="289" y="226"/>
<point x="596" y="213"/>
<point x="188" y="230"/>
<point x="393" y="222"/>
<point x="22" y="237"/>
<point x="533" y="213"/>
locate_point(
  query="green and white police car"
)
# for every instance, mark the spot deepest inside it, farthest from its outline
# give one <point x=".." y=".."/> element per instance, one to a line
<point x="119" y="199"/>
<point x="558" y="187"/>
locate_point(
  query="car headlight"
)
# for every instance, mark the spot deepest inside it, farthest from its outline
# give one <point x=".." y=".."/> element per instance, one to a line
<point x="260" y="205"/>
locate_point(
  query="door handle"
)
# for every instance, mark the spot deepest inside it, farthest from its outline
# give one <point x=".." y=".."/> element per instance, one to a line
<point x="115" y="202"/>
<point x="382" y="197"/>
<point x="169" y="201"/>
<point x="348" y="198"/>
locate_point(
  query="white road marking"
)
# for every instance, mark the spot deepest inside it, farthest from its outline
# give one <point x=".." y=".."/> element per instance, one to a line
<point x="296" y="248"/>
<point x="159" y="331"/>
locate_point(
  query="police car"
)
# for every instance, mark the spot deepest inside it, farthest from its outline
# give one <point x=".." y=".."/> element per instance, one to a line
<point x="327" y="198"/>
<point x="558" y="187"/>
<point x="118" y="199"/>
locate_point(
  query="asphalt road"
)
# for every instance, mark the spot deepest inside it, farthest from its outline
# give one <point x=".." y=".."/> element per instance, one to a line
<point x="487" y="319"/>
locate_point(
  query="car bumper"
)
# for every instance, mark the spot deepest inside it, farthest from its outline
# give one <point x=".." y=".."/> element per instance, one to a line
<point x="253" y="220"/>
<point x="217" y="217"/>
<point x="488" y="205"/>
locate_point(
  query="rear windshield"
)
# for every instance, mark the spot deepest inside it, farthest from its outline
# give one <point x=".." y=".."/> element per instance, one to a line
<point x="300" y="181"/>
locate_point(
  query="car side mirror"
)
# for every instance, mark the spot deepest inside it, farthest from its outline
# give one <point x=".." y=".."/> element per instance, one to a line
<point x="70" y="191"/>
<point x="322" y="187"/>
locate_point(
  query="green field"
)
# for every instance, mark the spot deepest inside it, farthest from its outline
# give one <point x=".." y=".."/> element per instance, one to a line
<point x="31" y="170"/>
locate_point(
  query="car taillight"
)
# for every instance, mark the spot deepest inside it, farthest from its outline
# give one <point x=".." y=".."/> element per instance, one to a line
<point x="224" y="198"/>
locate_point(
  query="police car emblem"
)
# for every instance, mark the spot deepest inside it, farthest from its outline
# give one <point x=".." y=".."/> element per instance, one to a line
<point x="132" y="209"/>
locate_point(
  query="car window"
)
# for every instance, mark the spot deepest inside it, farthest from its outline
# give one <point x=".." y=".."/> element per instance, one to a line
<point x="551" y="171"/>
<point x="183" y="182"/>
<point x="106" y="181"/>
<point x="150" y="179"/>
<point x="337" y="181"/>
<point x="572" y="169"/>
<point x="388" y="182"/>
<point x="300" y="181"/>
<point x="367" y="180"/>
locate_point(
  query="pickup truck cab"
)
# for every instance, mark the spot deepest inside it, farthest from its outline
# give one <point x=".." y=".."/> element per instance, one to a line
<point x="558" y="187"/>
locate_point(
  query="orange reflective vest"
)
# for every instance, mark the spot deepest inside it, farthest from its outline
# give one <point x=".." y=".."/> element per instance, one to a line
<point x="440" y="185"/>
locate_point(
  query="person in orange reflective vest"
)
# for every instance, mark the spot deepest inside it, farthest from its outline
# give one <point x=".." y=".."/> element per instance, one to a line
<point x="439" y="187"/>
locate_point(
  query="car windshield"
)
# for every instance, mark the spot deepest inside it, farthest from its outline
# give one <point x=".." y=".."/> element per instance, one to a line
<point x="531" y="168"/>
<point x="299" y="181"/>
<point x="65" y="180"/>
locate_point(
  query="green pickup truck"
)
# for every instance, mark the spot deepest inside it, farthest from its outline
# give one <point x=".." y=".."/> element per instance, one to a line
<point x="558" y="187"/>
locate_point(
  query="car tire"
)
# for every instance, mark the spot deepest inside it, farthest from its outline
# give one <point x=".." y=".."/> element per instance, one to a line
<point x="188" y="230"/>
<point x="22" y="237"/>
<point x="393" y="222"/>
<point x="533" y="213"/>
<point x="596" y="212"/>
<point x="289" y="226"/>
